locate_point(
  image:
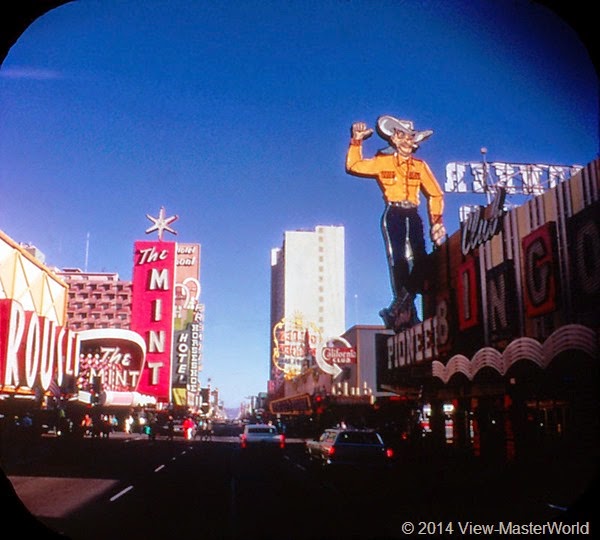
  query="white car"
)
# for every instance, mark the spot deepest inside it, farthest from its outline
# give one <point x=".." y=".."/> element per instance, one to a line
<point x="261" y="435"/>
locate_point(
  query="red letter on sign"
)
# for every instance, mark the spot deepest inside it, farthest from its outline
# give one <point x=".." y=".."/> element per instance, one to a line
<point x="540" y="272"/>
<point x="468" y="307"/>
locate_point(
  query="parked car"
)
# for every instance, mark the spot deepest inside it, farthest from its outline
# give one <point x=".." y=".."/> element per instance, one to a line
<point x="354" y="447"/>
<point x="227" y="429"/>
<point x="261" y="436"/>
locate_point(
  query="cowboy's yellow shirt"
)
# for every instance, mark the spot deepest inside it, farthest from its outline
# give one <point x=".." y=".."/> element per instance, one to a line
<point x="399" y="179"/>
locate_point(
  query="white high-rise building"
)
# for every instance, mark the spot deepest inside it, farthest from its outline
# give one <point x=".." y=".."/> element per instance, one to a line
<point x="308" y="285"/>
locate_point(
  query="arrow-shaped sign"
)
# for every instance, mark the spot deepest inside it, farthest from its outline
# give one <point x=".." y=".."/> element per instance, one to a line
<point x="333" y="369"/>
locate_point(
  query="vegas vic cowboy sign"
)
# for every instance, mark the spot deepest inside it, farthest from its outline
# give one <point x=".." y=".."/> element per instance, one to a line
<point x="401" y="178"/>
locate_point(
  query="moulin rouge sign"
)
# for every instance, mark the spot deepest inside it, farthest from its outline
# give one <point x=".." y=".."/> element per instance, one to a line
<point x="34" y="350"/>
<point x="152" y="313"/>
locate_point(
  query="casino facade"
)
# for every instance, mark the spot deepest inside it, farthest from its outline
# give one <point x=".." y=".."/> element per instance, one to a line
<point x="38" y="353"/>
<point x="151" y="358"/>
<point x="506" y="358"/>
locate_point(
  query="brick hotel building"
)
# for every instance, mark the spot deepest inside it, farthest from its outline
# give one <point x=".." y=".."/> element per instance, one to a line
<point x="96" y="299"/>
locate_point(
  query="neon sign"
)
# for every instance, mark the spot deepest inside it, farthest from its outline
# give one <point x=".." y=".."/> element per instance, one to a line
<point x="113" y="356"/>
<point x="482" y="223"/>
<point x="152" y="313"/>
<point x="294" y="345"/>
<point x="34" y="350"/>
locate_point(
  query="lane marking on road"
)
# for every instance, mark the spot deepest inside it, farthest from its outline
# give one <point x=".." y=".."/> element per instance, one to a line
<point x="159" y="468"/>
<point x="121" y="493"/>
<point x="294" y="463"/>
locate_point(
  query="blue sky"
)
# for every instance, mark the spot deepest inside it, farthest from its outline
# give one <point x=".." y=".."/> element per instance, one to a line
<point x="235" y="116"/>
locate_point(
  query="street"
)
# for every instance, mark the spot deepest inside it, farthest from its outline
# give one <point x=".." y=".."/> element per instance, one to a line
<point x="127" y="486"/>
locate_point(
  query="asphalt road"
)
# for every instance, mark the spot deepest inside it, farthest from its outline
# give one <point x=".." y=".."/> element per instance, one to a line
<point x="129" y="487"/>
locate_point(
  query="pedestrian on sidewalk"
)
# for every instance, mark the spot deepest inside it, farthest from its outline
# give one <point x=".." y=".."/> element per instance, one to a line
<point x="188" y="428"/>
<point x="87" y="425"/>
<point x="170" y="428"/>
<point x="128" y="423"/>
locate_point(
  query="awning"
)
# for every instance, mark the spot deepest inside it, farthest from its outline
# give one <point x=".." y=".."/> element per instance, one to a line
<point x="293" y="405"/>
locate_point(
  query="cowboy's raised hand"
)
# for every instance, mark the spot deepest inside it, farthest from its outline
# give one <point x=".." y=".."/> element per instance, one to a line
<point x="360" y="131"/>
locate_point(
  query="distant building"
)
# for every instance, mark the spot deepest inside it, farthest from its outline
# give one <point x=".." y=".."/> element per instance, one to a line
<point x="96" y="299"/>
<point x="307" y="295"/>
<point x="360" y="376"/>
<point x="33" y="251"/>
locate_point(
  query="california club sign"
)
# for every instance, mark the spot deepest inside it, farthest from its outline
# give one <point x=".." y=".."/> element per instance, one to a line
<point x="339" y="355"/>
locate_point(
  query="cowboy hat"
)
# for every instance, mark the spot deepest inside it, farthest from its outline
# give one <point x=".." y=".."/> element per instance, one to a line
<point x="387" y="125"/>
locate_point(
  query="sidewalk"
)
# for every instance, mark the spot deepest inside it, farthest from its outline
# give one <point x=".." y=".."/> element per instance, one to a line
<point x="535" y="490"/>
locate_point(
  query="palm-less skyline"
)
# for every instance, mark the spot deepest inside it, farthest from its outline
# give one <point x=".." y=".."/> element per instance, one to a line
<point x="236" y="118"/>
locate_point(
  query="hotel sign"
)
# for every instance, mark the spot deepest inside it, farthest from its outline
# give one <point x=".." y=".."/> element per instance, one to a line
<point x="197" y="335"/>
<point x="188" y="325"/>
<point x="187" y="280"/>
<point x="294" y="345"/>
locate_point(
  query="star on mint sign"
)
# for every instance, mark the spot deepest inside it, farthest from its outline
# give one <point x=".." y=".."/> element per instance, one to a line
<point x="161" y="223"/>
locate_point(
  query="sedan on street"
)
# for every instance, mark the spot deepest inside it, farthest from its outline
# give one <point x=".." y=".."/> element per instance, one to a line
<point x="354" y="447"/>
<point x="261" y="436"/>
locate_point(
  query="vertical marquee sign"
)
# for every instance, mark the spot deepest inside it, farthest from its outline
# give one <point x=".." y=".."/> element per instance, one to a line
<point x="152" y="313"/>
<point x="189" y="316"/>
